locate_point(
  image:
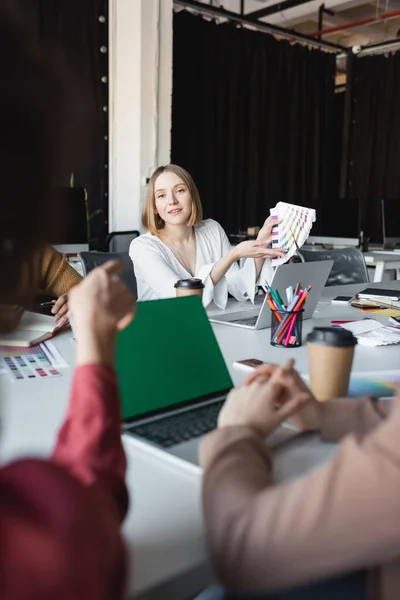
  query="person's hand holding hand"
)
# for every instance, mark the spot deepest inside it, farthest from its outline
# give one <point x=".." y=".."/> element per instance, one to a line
<point x="100" y="306"/>
<point x="308" y="416"/>
<point x="265" y="233"/>
<point x="257" y="249"/>
<point x="60" y="310"/>
<point x="262" y="405"/>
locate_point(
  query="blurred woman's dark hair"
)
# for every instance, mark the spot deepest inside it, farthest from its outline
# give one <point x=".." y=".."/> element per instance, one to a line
<point x="41" y="116"/>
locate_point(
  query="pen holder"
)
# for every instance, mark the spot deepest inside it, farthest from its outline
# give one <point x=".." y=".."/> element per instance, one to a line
<point x="286" y="328"/>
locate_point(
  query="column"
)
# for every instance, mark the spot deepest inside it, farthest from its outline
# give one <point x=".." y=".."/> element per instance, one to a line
<point x="140" y="94"/>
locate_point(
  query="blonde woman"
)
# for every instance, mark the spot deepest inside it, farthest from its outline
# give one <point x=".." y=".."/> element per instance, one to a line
<point x="179" y="245"/>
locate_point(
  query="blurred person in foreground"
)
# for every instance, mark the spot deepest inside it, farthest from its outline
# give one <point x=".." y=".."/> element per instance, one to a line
<point x="340" y="518"/>
<point x="59" y="518"/>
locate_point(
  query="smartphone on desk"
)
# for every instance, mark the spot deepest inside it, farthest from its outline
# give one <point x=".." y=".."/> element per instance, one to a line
<point x="248" y="365"/>
<point x="342" y="300"/>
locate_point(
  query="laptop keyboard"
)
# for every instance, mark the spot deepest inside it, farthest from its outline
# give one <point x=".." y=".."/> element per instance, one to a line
<point x="251" y="321"/>
<point x="180" y="427"/>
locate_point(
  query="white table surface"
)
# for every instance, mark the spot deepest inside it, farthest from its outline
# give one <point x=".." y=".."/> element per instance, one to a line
<point x="256" y="344"/>
<point x="164" y="525"/>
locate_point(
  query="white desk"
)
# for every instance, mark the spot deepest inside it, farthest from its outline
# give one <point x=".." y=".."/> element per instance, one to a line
<point x="383" y="261"/>
<point x="164" y="525"/>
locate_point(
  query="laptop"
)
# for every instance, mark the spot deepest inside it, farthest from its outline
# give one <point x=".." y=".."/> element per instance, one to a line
<point x="173" y="378"/>
<point x="312" y="273"/>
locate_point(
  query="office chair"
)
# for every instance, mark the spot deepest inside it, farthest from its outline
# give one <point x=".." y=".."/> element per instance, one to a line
<point x="119" y="241"/>
<point x="91" y="260"/>
<point x="348" y="265"/>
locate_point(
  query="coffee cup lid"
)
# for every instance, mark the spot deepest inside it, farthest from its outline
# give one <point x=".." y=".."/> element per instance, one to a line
<point x="189" y="284"/>
<point x="330" y="336"/>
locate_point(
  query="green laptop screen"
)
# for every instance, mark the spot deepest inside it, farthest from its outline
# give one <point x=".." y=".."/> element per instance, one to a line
<point x="168" y="355"/>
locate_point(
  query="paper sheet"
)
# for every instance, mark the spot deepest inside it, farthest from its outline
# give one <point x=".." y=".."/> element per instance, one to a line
<point x="373" y="333"/>
<point x="385" y="312"/>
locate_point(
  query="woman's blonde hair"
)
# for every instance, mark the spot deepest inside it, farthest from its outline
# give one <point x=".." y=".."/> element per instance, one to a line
<point x="151" y="219"/>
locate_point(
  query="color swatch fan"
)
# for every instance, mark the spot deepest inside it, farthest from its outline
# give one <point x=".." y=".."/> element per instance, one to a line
<point x="294" y="230"/>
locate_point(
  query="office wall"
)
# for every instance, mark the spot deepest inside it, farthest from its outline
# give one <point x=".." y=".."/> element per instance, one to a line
<point x="140" y="84"/>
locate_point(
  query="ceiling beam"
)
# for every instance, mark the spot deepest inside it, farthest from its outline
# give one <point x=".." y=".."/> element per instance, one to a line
<point x="275" y="8"/>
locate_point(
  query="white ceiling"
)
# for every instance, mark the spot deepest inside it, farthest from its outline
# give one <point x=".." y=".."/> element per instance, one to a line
<point x="304" y="18"/>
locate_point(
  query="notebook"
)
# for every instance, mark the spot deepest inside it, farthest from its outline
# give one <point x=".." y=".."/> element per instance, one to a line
<point x="32" y="329"/>
<point x="374" y="293"/>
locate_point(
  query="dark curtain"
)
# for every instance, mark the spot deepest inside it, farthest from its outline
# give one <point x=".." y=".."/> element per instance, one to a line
<point x="76" y="33"/>
<point x="331" y="206"/>
<point x="251" y="120"/>
<point x="375" y="149"/>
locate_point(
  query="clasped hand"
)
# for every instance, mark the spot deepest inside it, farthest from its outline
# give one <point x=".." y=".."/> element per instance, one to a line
<point x="269" y="396"/>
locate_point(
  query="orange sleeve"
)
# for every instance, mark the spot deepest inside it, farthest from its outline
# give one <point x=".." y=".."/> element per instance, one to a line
<point x="57" y="275"/>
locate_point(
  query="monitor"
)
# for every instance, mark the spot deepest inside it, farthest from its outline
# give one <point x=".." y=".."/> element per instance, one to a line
<point x="338" y="223"/>
<point x="74" y="236"/>
<point x="391" y="221"/>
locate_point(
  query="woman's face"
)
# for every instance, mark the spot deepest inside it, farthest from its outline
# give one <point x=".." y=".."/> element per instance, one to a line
<point x="172" y="198"/>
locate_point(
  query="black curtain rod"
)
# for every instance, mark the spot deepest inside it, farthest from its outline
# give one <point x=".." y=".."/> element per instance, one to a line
<point x="381" y="45"/>
<point x="213" y="11"/>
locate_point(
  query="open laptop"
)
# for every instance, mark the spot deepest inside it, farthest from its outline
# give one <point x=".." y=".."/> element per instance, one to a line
<point x="172" y="376"/>
<point x="312" y="273"/>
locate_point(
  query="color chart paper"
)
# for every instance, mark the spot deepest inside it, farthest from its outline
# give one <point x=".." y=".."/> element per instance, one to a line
<point x="294" y="230"/>
<point x="26" y="363"/>
<point x="378" y="384"/>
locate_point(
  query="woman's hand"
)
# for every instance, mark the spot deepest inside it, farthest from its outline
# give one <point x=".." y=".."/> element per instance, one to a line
<point x="257" y="249"/>
<point x="100" y="306"/>
<point x="60" y="310"/>
<point x="262" y="405"/>
<point x="308" y="417"/>
<point x="265" y="233"/>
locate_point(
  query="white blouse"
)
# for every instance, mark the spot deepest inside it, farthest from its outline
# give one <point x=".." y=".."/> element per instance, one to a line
<point x="157" y="269"/>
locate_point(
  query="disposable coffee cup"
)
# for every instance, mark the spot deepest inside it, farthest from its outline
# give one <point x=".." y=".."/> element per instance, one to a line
<point x="189" y="287"/>
<point x="330" y="358"/>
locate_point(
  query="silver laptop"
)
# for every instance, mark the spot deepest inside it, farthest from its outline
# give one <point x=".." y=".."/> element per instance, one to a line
<point x="312" y="273"/>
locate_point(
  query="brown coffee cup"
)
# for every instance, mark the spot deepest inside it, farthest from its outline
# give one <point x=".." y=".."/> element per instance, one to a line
<point x="189" y="287"/>
<point x="330" y="358"/>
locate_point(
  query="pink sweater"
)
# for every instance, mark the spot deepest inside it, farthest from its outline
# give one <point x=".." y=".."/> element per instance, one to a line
<point x="340" y="517"/>
<point x="60" y="519"/>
